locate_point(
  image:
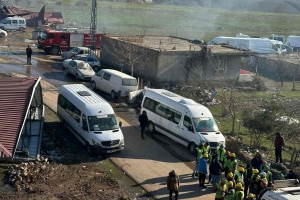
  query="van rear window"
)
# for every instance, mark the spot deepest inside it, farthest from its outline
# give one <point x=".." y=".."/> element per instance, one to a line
<point x="129" y="82"/>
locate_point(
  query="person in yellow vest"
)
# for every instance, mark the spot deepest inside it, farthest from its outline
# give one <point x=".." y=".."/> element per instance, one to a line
<point x="198" y="155"/>
<point x="269" y="175"/>
<point x="206" y="148"/>
<point x="255" y="183"/>
<point x="239" y="175"/>
<point x="250" y="196"/>
<point x="220" y="189"/>
<point x="221" y="153"/>
<point x="239" y="192"/>
<point x="231" y="178"/>
<point x="229" y="194"/>
<point x="232" y="163"/>
<point x="247" y="177"/>
<point x="226" y="162"/>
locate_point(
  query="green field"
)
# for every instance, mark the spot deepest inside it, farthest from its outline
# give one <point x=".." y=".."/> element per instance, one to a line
<point x="189" y="22"/>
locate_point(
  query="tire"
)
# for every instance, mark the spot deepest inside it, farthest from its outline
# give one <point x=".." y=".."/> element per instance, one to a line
<point x="113" y="94"/>
<point x="89" y="148"/>
<point x="96" y="68"/>
<point x="21" y="29"/>
<point x="1" y="27"/>
<point x="55" y="51"/>
<point x="77" y="78"/>
<point x="94" y="87"/>
<point x="151" y="127"/>
<point x="192" y="147"/>
<point x="65" y="125"/>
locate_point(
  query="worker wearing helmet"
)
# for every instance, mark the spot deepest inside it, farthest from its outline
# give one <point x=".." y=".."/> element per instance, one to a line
<point x="206" y="148"/>
<point x="247" y="178"/>
<point x="255" y="183"/>
<point x="239" y="192"/>
<point x="221" y="153"/>
<point x="239" y="175"/>
<point x="251" y="196"/>
<point x="230" y="177"/>
<point x="220" y="189"/>
<point x="232" y="163"/>
<point x="269" y="175"/>
<point x="202" y="169"/>
<point x="198" y="155"/>
<point x="229" y="194"/>
<point x="226" y="163"/>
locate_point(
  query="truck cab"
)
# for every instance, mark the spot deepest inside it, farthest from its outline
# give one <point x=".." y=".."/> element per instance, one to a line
<point x="53" y="42"/>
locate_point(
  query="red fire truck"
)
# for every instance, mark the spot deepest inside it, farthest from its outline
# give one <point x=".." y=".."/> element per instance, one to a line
<point x="54" y="42"/>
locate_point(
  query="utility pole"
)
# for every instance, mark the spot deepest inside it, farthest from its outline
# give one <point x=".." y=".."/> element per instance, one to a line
<point x="93" y="27"/>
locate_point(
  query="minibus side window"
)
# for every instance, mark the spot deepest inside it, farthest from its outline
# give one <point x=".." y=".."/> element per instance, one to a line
<point x="84" y="123"/>
<point x="62" y="101"/>
<point x="187" y="122"/>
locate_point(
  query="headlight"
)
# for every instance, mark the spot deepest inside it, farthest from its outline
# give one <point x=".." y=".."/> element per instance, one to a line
<point x="96" y="143"/>
<point x="122" y="141"/>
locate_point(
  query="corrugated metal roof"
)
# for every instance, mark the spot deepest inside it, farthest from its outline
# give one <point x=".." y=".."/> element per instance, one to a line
<point x="14" y="99"/>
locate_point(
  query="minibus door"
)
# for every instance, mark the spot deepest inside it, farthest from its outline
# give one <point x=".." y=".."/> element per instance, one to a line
<point x="186" y="130"/>
<point x="84" y="128"/>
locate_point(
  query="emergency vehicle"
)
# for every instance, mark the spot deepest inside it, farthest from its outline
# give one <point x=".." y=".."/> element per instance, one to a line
<point x="54" y="42"/>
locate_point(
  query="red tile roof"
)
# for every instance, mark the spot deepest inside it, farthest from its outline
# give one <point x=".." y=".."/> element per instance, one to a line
<point x="15" y="94"/>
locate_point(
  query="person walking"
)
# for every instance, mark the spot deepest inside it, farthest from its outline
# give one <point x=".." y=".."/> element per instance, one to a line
<point x="247" y="178"/>
<point x="257" y="162"/>
<point x="143" y="119"/>
<point x="220" y="189"/>
<point x="221" y="153"/>
<point x="279" y="145"/>
<point x="29" y="53"/>
<point x="173" y="184"/>
<point x="202" y="169"/>
<point x="215" y="171"/>
<point x="198" y="155"/>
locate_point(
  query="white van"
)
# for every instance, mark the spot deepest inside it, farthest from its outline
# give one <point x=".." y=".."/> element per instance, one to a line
<point x="90" y="118"/>
<point x="113" y="82"/>
<point x="181" y="119"/>
<point x="13" y="23"/>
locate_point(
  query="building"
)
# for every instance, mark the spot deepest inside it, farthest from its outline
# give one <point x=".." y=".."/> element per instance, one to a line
<point x="21" y="117"/>
<point x="171" y="59"/>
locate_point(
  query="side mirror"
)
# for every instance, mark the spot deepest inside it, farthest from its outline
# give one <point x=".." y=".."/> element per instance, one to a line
<point x="120" y="124"/>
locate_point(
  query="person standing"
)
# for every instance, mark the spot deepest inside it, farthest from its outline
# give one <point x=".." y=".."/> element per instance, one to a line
<point x="173" y="184"/>
<point x="206" y="148"/>
<point x="239" y="175"/>
<point x="143" y="119"/>
<point x="247" y="178"/>
<point x="255" y="183"/>
<point x="215" y="171"/>
<point x="211" y="159"/>
<point x="269" y="175"/>
<point x="257" y="162"/>
<point x="232" y="163"/>
<point x="221" y="153"/>
<point x="29" y="53"/>
<point x="279" y="145"/>
<point x="202" y="169"/>
<point x="226" y="163"/>
<point x="198" y="155"/>
<point x="229" y="194"/>
<point x="220" y="189"/>
<point x="239" y="192"/>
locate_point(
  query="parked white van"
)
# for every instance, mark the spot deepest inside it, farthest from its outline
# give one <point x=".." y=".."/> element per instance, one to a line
<point x="113" y="82"/>
<point x="90" y="118"/>
<point x="181" y="119"/>
<point x="13" y="23"/>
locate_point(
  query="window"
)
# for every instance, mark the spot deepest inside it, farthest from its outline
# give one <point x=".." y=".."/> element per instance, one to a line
<point x="51" y="36"/>
<point x="15" y="21"/>
<point x="62" y="101"/>
<point x="7" y="22"/>
<point x="100" y="73"/>
<point x="73" y="111"/>
<point x="205" y="125"/>
<point x="188" y="123"/>
<point x="129" y="82"/>
<point x="84" y="123"/>
<point x="21" y="21"/>
<point x="106" y="76"/>
<point x="103" y="122"/>
<point x="90" y="59"/>
<point x="63" y="36"/>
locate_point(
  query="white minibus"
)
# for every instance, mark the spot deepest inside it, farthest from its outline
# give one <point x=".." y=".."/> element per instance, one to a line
<point x="13" y="23"/>
<point x="181" y="119"/>
<point x="90" y="118"/>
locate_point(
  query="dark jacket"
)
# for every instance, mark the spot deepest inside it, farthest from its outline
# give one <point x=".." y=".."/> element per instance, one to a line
<point x="216" y="168"/>
<point x="143" y="119"/>
<point x="173" y="182"/>
<point x="28" y="51"/>
<point x="279" y="142"/>
<point x="257" y="163"/>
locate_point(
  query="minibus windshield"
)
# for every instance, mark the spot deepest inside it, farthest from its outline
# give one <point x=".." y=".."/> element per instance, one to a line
<point x="103" y="122"/>
<point x="205" y="125"/>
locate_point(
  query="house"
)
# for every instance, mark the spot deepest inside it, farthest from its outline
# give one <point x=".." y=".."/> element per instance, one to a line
<point x="167" y="58"/>
<point x="21" y="117"/>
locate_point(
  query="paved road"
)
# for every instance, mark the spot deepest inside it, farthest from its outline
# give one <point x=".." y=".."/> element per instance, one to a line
<point x="147" y="161"/>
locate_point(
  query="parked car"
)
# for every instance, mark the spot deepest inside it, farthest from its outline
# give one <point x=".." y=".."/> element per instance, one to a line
<point x="76" y="51"/>
<point x="113" y="82"/>
<point x="13" y="23"/>
<point x="288" y="48"/>
<point x="3" y="33"/>
<point x="80" y="70"/>
<point x="91" y="59"/>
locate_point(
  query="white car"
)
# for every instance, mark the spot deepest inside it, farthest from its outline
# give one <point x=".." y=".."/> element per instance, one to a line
<point x="80" y="70"/>
<point x="76" y="51"/>
<point x="93" y="61"/>
<point x="3" y="33"/>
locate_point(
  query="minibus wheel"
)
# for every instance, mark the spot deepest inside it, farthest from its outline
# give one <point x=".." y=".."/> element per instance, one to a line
<point x="89" y="148"/>
<point x="113" y="94"/>
<point x="151" y="127"/>
<point x="192" y="147"/>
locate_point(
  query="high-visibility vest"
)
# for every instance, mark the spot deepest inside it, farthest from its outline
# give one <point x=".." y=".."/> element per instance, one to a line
<point x="230" y="196"/>
<point x="256" y="181"/>
<point x="231" y="165"/>
<point x="220" y="189"/>
<point x="226" y="162"/>
<point x="268" y="175"/>
<point x="233" y="181"/>
<point x="199" y="154"/>
<point x="237" y="194"/>
<point x="205" y="149"/>
<point x="240" y="177"/>
<point x="221" y="154"/>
